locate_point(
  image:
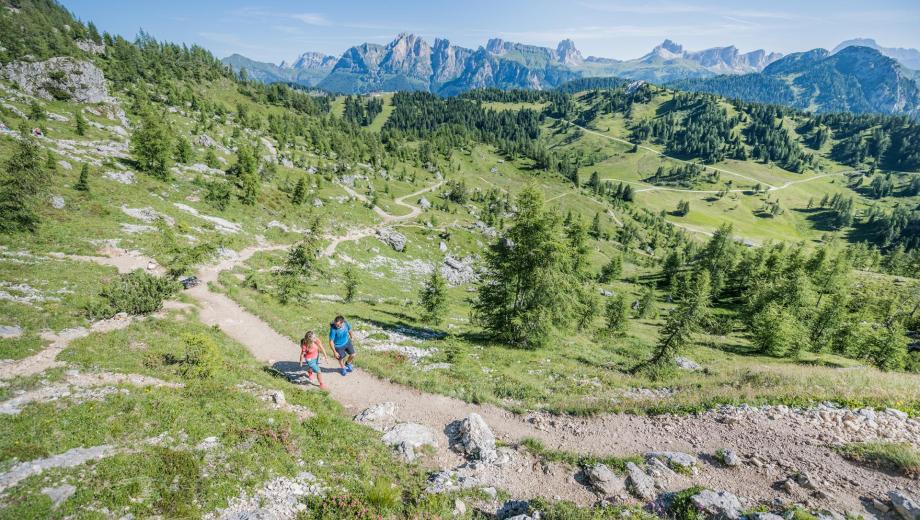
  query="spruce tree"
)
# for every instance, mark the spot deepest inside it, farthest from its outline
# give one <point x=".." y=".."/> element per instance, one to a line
<point x="23" y="184"/>
<point x="612" y="270"/>
<point x="80" y="123"/>
<point x="83" y="181"/>
<point x="300" y="192"/>
<point x="350" y="283"/>
<point x="183" y="152"/>
<point x="433" y="298"/>
<point x="617" y="319"/>
<point x="684" y="320"/>
<point x="525" y="291"/>
<point x="151" y="146"/>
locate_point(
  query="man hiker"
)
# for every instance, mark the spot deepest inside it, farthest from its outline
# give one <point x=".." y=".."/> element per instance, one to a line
<point x="340" y="337"/>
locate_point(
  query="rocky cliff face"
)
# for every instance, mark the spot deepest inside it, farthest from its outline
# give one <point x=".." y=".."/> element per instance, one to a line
<point x="313" y="61"/>
<point x="718" y="60"/>
<point x="60" y="78"/>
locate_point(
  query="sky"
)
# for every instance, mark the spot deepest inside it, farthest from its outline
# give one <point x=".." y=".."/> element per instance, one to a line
<point x="278" y="30"/>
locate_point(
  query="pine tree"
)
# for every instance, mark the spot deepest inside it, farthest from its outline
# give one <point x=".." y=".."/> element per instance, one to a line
<point x="249" y="185"/>
<point x="83" y="181"/>
<point x="647" y="308"/>
<point x="210" y="158"/>
<point x="525" y="291"/>
<point x="23" y="185"/>
<point x="684" y="320"/>
<point x="300" y="192"/>
<point x="37" y="112"/>
<point x="612" y="270"/>
<point x="350" y="282"/>
<point x="596" y="231"/>
<point x="79" y="122"/>
<point x="616" y="314"/>
<point x="183" y="151"/>
<point x="433" y="298"/>
<point x="151" y="146"/>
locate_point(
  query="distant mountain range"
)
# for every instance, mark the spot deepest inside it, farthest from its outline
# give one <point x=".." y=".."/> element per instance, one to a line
<point x="853" y="79"/>
<point x="858" y="75"/>
<point x="409" y="62"/>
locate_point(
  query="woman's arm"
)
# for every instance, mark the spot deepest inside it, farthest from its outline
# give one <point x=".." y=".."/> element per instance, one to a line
<point x="322" y="349"/>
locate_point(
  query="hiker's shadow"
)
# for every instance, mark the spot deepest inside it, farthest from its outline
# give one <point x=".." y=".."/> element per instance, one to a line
<point x="297" y="374"/>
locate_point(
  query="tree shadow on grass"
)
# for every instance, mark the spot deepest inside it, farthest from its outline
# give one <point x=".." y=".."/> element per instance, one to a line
<point x="401" y="326"/>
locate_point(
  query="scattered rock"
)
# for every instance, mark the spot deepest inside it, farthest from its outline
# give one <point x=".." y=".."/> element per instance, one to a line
<point x="513" y="510"/>
<point x="450" y="481"/>
<point x="59" y="494"/>
<point x="728" y="457"/>
<point x="442" y="247"/>
<point x="673" y="458"/>
<point x="280" y="498"/>
<point x="904" y="505"/>
<point x="458" y="272"/>
<point x="392" y="238"/>
<point x="459" y="507"/>
<point x="68" y="459"/>
<point x="120" y="177"/>
<point x="90" y="46"/>
<point x="147" y="215"/>
<point x="57" y="202"/>
<point x="10" y="331"/>
<point x="766" y="516"/>
<point x="718" y="504"/>
<point x="424" y="203"/>
<point x="278" y="397"/>
<point x="80" y="81"/>
<point x="209" y="443"/>
<point x="604" y="480"/>
<point x="684" y="363"/>
<point x="65" y="165"/>
<point x="406" y="438"/>
<point x="222" y="225"/>
<point x="476" y="439"/>
<point x="639" y="483"/>
<point x="380" y="416"/>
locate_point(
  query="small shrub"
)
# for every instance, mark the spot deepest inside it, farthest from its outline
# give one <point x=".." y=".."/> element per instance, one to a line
<point x="382" y="495"/>
<point x="137" y="292"/>
<point x="202" y="357"/>
<point x="340" y="507"/>
<point x="682" y="507"/>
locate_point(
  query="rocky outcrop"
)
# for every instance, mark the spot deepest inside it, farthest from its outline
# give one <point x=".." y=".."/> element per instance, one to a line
<point x="719" y="505"/>
<point x="475" y="439"/>
<point x="392" y="238"/>
<point x="904" y="505"/>
<point x="408" y="438"/>
<point x="605" y="481"/>
<point x="639" y="483"/>
<point x="60" y="78"/>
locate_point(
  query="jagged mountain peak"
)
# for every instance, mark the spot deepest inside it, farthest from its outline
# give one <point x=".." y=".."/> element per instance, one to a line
<point x="312" y="61"/>
<point x="567" y="53"/>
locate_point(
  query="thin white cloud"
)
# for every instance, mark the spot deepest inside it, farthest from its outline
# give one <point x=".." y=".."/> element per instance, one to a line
<point x="312" y="19"/>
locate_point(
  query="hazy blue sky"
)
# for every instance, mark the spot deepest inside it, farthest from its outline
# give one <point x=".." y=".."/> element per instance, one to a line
<point x="276" y="30"/>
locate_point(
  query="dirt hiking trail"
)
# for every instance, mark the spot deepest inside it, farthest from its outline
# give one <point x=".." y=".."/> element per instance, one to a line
<point x="772" y="444"/>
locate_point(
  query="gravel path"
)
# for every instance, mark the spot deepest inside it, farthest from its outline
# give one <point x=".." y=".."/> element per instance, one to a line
<point x="774" y="443"/>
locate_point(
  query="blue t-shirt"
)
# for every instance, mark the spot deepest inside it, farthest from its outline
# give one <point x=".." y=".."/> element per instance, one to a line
<point x="339" y="337"/>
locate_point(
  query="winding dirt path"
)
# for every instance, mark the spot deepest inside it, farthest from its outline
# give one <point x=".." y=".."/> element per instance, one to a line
<point x="359" y="233"/>
<point x="651" y="187"/>
<point x="783" y="444"/>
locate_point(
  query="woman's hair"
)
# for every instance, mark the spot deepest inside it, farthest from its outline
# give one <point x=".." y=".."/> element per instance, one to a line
<point x="309" y="336"/>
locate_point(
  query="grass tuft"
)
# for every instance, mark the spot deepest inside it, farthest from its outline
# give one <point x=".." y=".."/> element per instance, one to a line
<point x="899" y="457"/>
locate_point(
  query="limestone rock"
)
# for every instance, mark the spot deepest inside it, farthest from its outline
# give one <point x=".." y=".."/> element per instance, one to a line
<point x="640" y="484"/>
<point x="59" y="494"/>
<point x="717" y="504"/>
<point x="424" y="203"/>
<point x="407" y="438"/>
<point x="604" y="480"/>
<point x="476" y="439"/>
<point x="57" y="202"/>
<point x="904" y="505"/>
<point x="60" y="78"/>
<point x="380" y="416"/>
<point x="728" y="457"/>
<point x="392" y="238"/>
<point x="684" y="363"/>
<point x="673" y="458"/>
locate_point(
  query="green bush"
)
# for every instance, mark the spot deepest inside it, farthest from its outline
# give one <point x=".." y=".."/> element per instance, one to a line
<point x="137" y="292"/>
<point x="682" y="507"/>
<point x="202" y="357"/>
<point x="382" y="495"/>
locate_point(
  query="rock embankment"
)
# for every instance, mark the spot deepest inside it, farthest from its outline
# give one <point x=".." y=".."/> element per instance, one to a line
<point x="60" y="78"/>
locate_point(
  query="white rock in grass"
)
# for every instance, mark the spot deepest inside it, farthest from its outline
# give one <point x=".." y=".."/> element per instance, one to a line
<point x="407" y="438"/>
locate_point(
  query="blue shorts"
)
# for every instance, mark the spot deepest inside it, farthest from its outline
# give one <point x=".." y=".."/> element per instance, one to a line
<point x="345" y="350"/>
<point x="312" y="364"/>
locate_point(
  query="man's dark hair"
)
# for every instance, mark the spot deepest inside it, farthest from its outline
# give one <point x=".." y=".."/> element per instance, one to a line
<point x="339" y="319"/>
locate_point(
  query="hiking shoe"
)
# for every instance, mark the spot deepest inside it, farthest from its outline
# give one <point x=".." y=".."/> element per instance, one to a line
<point x="322" y="387"/>
<point x="344" y="371"/>
<point x="349" y="367"/>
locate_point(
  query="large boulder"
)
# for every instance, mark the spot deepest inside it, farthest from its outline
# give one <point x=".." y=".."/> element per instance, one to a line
<point x="392" y="238"/>
<point x="407" y="438"/>
<point x="720" y="505"/>
<point x="475" y="439"/>
<point x="604" y="480"/>
<point x="904" y="505"/>
<point x="640" y="484"/>
<point x="60" y="78"/>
